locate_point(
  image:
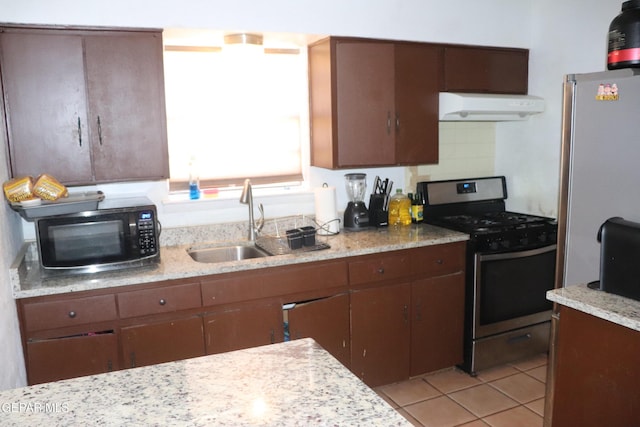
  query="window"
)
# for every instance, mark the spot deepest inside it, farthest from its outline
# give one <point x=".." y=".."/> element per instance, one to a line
<point x="239" y="111"/>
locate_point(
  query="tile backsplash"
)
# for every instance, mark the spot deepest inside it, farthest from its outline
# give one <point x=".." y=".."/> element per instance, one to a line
<point x="467" y="150"/>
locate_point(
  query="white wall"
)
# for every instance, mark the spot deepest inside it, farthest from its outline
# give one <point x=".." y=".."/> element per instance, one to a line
<point x="12" y="371"/>
<point x="565" y="36"/>
<point x="467" y="150"/>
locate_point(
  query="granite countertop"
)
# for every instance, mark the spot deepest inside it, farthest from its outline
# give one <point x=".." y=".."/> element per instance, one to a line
<point x="28" y="281"/>
<point x="296" y="383"/>
<point x="614" y="308"/>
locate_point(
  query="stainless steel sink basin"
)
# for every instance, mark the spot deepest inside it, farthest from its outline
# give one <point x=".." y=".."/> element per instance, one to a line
<point x="226" y="253"/>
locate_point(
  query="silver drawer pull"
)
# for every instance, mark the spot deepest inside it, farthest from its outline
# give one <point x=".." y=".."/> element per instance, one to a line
<point x="72" y="314"/>
<point x="439" y="261"/>
<point x="381" y="270"/>
<point x="162" y="301"/>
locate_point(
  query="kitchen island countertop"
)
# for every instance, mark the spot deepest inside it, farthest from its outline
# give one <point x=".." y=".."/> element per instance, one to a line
<point x="295" y="383"/>
<point x="614" y="308"/>
<point x="27" y="279"/>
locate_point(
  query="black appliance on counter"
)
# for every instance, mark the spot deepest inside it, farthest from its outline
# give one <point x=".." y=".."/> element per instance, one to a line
<point x="510" y="265"/>
<point x="619" y="255"/>
<point x="121" y="233"/>
<point x="356" y="214"/>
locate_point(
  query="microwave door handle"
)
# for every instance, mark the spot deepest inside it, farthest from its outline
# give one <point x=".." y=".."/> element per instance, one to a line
<point x="159" y="227"/>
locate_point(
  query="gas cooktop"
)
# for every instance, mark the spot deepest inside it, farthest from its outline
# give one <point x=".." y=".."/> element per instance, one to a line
<point x="491" y="220"/>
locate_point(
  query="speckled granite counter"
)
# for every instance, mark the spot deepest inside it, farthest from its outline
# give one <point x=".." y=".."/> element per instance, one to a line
<point x="27" y="279"/>
<point x="611" y="307"/>
<point x="290" y="384"/>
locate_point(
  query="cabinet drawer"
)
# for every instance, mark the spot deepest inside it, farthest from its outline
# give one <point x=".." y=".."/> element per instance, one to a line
<point x="159" y="300"/>
<point x="234" y="287"/>
<point x="307" y="277"/>
<point x="392" y="265"/>
<point x="70" y="312"/>
<point x="438" y="260"/>
<point x="273" y="282"/>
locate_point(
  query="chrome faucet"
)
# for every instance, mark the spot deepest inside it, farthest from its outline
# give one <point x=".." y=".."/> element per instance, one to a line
<point x="247" y="198"/>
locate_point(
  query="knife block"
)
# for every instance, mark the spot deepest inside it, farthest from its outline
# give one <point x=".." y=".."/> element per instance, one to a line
<point x="378" y="216"/>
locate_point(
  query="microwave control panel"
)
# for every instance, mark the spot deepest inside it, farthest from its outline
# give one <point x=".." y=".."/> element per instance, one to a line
<point x="147" y="239"/>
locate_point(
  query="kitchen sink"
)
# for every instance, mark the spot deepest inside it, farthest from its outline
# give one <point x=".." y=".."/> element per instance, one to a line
<point x="226" y="253"/>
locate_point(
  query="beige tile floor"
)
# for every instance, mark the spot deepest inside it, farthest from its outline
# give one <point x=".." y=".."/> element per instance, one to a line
<point x="509" y="395"/>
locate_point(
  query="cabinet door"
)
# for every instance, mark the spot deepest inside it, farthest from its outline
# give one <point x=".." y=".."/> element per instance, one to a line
<point x="492" y="70"/>
<point x="127" y="107"/>
<point x="61" y="358"/>
<point x="325" y="320"/>
<point x="162" y="342"/>
<point x="364" y="111"/>
<point x="243" y="326"/>
<point x="45" y="100"/>
<point x="380" y="334"/>
<point x="437" y="323"/>
<point x="417" y="82"/>
<point x="597" y="373"/>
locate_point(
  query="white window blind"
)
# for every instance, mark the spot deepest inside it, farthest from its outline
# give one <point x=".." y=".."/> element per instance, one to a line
<point x="237" y="111"/>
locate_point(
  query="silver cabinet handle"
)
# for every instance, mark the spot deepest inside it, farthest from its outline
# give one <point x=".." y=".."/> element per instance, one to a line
<point x="162" y="301"/>
<point x="79" y="132"/>
<point x="99" y="131"/>
<point x="388" y="122"/>
<point x="72" y="314"/>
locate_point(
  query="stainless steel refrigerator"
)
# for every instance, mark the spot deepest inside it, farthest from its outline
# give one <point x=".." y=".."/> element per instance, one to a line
<point x="599" y="176"/>
<point x="600" y="166"/>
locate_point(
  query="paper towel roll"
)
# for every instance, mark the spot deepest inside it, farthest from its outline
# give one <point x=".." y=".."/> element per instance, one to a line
<point x="326" y="213"/>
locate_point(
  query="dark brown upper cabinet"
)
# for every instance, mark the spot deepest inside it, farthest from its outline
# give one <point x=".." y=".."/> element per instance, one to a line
<point x="486" y="70"/>
<point x="85" y="106"/>
<point x="373" y="102"/>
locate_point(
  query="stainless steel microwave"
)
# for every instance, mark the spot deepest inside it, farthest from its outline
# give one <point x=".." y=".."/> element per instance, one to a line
<point x="121" y="233"/>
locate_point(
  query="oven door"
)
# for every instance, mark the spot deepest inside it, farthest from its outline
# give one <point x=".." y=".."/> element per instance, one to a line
<point x="510" y="289"/>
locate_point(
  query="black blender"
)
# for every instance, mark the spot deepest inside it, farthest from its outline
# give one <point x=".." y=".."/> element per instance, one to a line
<point x="356" y="215"/>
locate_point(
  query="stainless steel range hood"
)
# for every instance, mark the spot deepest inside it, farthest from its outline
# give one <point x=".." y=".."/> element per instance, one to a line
<point x="487" y="107"/>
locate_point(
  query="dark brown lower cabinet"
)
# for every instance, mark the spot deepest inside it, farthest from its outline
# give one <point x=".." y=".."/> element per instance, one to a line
<point x="326" y="320"/>
<point x="437" y="323"/>
<point x="597" y="375"/>
<point x="243" y="326"/>
<point x="60" y="358"/>
<point x="380" y="333"/>
<point x="385" y="316"/>
<point x="162" y="342"/>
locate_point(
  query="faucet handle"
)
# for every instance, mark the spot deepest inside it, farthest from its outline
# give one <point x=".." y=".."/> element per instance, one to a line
<point x="260" y="223"/>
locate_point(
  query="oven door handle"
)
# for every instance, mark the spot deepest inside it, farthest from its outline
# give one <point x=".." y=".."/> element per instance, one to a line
<point x="516" y="254"/>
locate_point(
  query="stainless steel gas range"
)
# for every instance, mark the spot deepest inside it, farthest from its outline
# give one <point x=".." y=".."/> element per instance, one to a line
<point x="510" y="266"/>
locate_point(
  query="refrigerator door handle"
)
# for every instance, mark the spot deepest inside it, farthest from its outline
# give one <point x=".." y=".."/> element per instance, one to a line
<point x="568" y="107"/>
